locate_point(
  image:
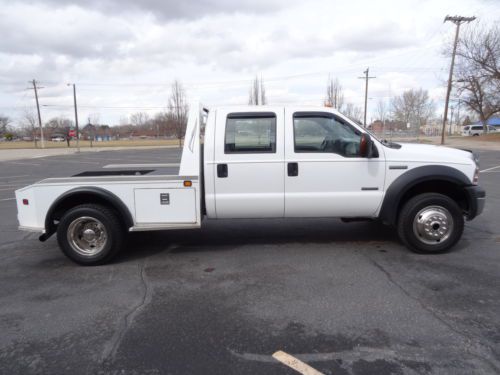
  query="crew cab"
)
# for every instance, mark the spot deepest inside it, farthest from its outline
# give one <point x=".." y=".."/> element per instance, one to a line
<point x="263" y="162"/>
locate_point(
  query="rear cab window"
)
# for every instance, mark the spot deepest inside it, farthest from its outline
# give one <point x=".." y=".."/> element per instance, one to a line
<point x="250" y="133"/>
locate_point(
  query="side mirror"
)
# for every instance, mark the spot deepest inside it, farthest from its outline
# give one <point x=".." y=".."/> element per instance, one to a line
<point x="365" y="146"/>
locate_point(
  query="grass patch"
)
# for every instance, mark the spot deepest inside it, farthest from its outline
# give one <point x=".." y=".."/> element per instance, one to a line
<point x="493" y="137"/>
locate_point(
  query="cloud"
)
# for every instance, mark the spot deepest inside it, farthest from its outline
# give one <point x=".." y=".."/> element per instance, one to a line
<point x="173" y="9"/>
<point x="70" y="31"/>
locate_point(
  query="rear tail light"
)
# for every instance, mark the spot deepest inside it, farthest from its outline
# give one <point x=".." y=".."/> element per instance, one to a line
<point x="26" y="202"/>
<point x="475" y="180"/>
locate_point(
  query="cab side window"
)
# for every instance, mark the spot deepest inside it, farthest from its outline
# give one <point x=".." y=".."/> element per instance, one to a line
<point x="250" y="133"/>
<point x="323" y="133"/>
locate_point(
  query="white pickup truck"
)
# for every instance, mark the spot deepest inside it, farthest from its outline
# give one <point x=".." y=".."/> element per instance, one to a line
<point x="263" y="162"/>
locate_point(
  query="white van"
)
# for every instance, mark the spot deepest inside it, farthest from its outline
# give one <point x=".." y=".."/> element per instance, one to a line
<point x="476" y="130"/>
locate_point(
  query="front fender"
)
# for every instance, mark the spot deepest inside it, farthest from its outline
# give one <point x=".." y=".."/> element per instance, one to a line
<point x="401" y="185"/>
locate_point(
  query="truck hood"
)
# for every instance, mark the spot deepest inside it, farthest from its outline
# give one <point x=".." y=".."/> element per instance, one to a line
<point x="429" y="153"/>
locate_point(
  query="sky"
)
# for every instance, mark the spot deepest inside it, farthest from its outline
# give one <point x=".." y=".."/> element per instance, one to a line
<point x="123" y="55"/>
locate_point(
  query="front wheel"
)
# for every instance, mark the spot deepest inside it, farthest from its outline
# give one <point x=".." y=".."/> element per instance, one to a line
<point x="430" y="223"/>
<point x="90" y="234"/>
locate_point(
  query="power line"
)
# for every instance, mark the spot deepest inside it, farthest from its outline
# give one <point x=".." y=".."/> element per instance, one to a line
<point x="102" y="106"/>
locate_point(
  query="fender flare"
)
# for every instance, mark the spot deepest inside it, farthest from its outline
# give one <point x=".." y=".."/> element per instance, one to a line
<point x="103" y="194"/>
<point x="401" y="185"/>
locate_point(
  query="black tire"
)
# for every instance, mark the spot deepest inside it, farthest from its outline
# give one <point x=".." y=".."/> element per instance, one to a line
<point x="438" y="215"/>
<point x="104" y="221"/>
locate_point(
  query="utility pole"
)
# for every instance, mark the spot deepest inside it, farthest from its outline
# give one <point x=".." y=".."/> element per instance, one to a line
<point x="76" y="119"/>
<point x="90" y="132"/>
<point x="38" y="110"/>
<point x="366" y="78"/>
<point x="451" y="119"/>
<point x="457" y="20"/>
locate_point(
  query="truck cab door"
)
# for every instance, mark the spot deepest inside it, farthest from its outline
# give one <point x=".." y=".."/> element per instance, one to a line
<point x="249" y="163"/>
<point x="325" y="175"/>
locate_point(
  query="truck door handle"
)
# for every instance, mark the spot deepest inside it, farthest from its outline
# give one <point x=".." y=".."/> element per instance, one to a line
<point x="293" y="169"/>
<point x="222" y="170"/>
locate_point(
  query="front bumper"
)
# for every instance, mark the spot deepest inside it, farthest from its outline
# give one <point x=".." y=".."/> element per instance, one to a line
<point x="476" y="197"/>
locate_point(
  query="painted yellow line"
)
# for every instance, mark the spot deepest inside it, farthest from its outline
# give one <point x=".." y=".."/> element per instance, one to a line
<point x="295" y="363"/>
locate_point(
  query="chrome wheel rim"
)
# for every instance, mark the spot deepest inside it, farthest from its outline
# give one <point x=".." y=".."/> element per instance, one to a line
<point x="87" y="236"/>
<point x="433" y="225"/>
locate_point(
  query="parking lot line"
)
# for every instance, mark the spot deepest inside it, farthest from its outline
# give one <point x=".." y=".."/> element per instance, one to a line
<point x="11" y="185"/>
<point x="7" y="199"/>
<point x="21" y="175"/>
<point x="490" y="169"/>
<point x="14" y="187"/>
<point x="80" y="162"/>
<point x="295" y="363"/>
<point x="20" y="163"/>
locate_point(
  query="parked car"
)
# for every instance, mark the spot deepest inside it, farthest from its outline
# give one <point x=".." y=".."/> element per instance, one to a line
<point x="475" y="130"/>
<point x="263" y="162"/>
<point x="58" y="138"/>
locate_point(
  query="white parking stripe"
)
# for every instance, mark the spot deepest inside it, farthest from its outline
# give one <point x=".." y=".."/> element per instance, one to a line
<point x="7" y="199"/>
<point x="19" y="163"/>
<point x="490" y="169"/>
<point x="80" y="162"/>
<point x="295" y="363"/>
<point x="14" y="185"/>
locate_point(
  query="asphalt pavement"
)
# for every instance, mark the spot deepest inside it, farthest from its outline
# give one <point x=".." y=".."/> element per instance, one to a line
<point x="343" y="298"/>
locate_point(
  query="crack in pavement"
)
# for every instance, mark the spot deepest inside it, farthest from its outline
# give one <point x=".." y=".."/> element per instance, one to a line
<point x="468" y="337"/>
<point x="110" y="349"/>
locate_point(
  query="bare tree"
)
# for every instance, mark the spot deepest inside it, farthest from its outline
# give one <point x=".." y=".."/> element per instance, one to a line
<point x="413" y="107"/>
<point x="257" y="95"/>
<point x="478" y="72"/>
<point x="353" y="112"/>
<point x="4" y="124"/>
<point x="91" y="128"/>
<point x="263" y="97"/>
<point x="139" y="119"/>
<point x="29" y="121"/>
<point x="178" y="110"/>
<point x="334" y="94"/>
<point x="382" y="113"/>
<point x="160" y="122"/>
